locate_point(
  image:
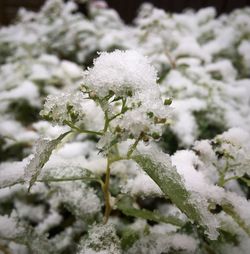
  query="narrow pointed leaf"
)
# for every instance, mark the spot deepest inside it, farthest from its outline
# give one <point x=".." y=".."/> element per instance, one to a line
<point x="170" y="182"/>
<point x="43" y="152"/>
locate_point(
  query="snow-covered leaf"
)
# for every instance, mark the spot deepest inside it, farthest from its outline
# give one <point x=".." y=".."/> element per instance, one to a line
<point x="43" y="151"/>
<point x="158" y="166"/>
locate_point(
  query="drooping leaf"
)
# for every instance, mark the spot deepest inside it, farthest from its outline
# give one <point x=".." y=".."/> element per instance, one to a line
<point x="158" y="166"/>
<point x="170" y="182"/>
<point x="43" y="152"/>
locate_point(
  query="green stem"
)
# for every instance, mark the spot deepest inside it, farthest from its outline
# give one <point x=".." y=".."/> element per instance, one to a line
<point x="118" y="158"/>
<point x="231" y="178"/>
<point x="221" y="181"/>
<point x="70" y="179"/>
<point x="72" y="126"/>
<point x="113" y="117"/>
<point x="106" y="125"/>
<point x="171" y="61"/>
<point x="106" y="193"/>
<point x="133" y="147"/>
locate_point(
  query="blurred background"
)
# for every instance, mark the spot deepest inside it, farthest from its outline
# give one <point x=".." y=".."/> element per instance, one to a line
<point x="127" y="9"/>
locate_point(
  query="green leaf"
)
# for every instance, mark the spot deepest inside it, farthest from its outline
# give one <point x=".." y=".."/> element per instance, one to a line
<point x="170" y="182"/>
<point x="125" y="206"/>
<point x="43" y="152"/>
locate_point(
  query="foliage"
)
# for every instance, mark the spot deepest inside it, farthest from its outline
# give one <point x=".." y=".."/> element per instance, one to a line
<point x="91" y="177"/>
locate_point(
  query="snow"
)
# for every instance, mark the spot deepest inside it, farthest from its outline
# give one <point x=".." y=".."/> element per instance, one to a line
<point x="12" y="172"/>
<point x="71" y="69"/>
<point x="21" y="93"/>
<point x="15" y="132"/>
<point x="121" y="72"/>
<point x="244" y="49"/>
<point x="102" y="239"/>
<point x="80" y="198"/>
<point x="183" y="117"/>
<point x="142" y="185"/>
<point x="225" y="68"/>
<point x="9" y="226"/>
<point x="201" y="62"/>
<point x="158" y="243"/>
<point x="189" y="46"/>
<point x="236" y="136"/>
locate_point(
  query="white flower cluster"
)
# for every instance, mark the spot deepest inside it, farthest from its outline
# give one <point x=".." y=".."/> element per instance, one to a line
<point x="122" y="72"/>
<point x="66" y="107"/>
<point x="73" y="108"/>
<point x="233" y="148"/>
<point x="129" y="75"/>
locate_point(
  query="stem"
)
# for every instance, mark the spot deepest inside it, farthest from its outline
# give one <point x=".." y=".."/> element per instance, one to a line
<point x="70" y="179"/>
<point x="171" y="61"/>
<point x="113" y="117"/>
<point x="72" y="126"/>
<point x="106" y="125"/>
<point x="222" y="181"/>
<point x="105" y="189"/>
<point x="231" y="178"/>
<point x="133" y="147"/>
<point x="123" y="110"/>
<point x="124" y="100"/>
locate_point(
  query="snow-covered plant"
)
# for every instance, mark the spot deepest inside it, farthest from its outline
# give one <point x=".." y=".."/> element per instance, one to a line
<point x="121" y="89"/>
<point x="88" y="175"/>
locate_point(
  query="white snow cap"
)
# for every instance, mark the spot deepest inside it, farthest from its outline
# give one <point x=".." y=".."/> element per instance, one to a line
<point x="120" y="72"/>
